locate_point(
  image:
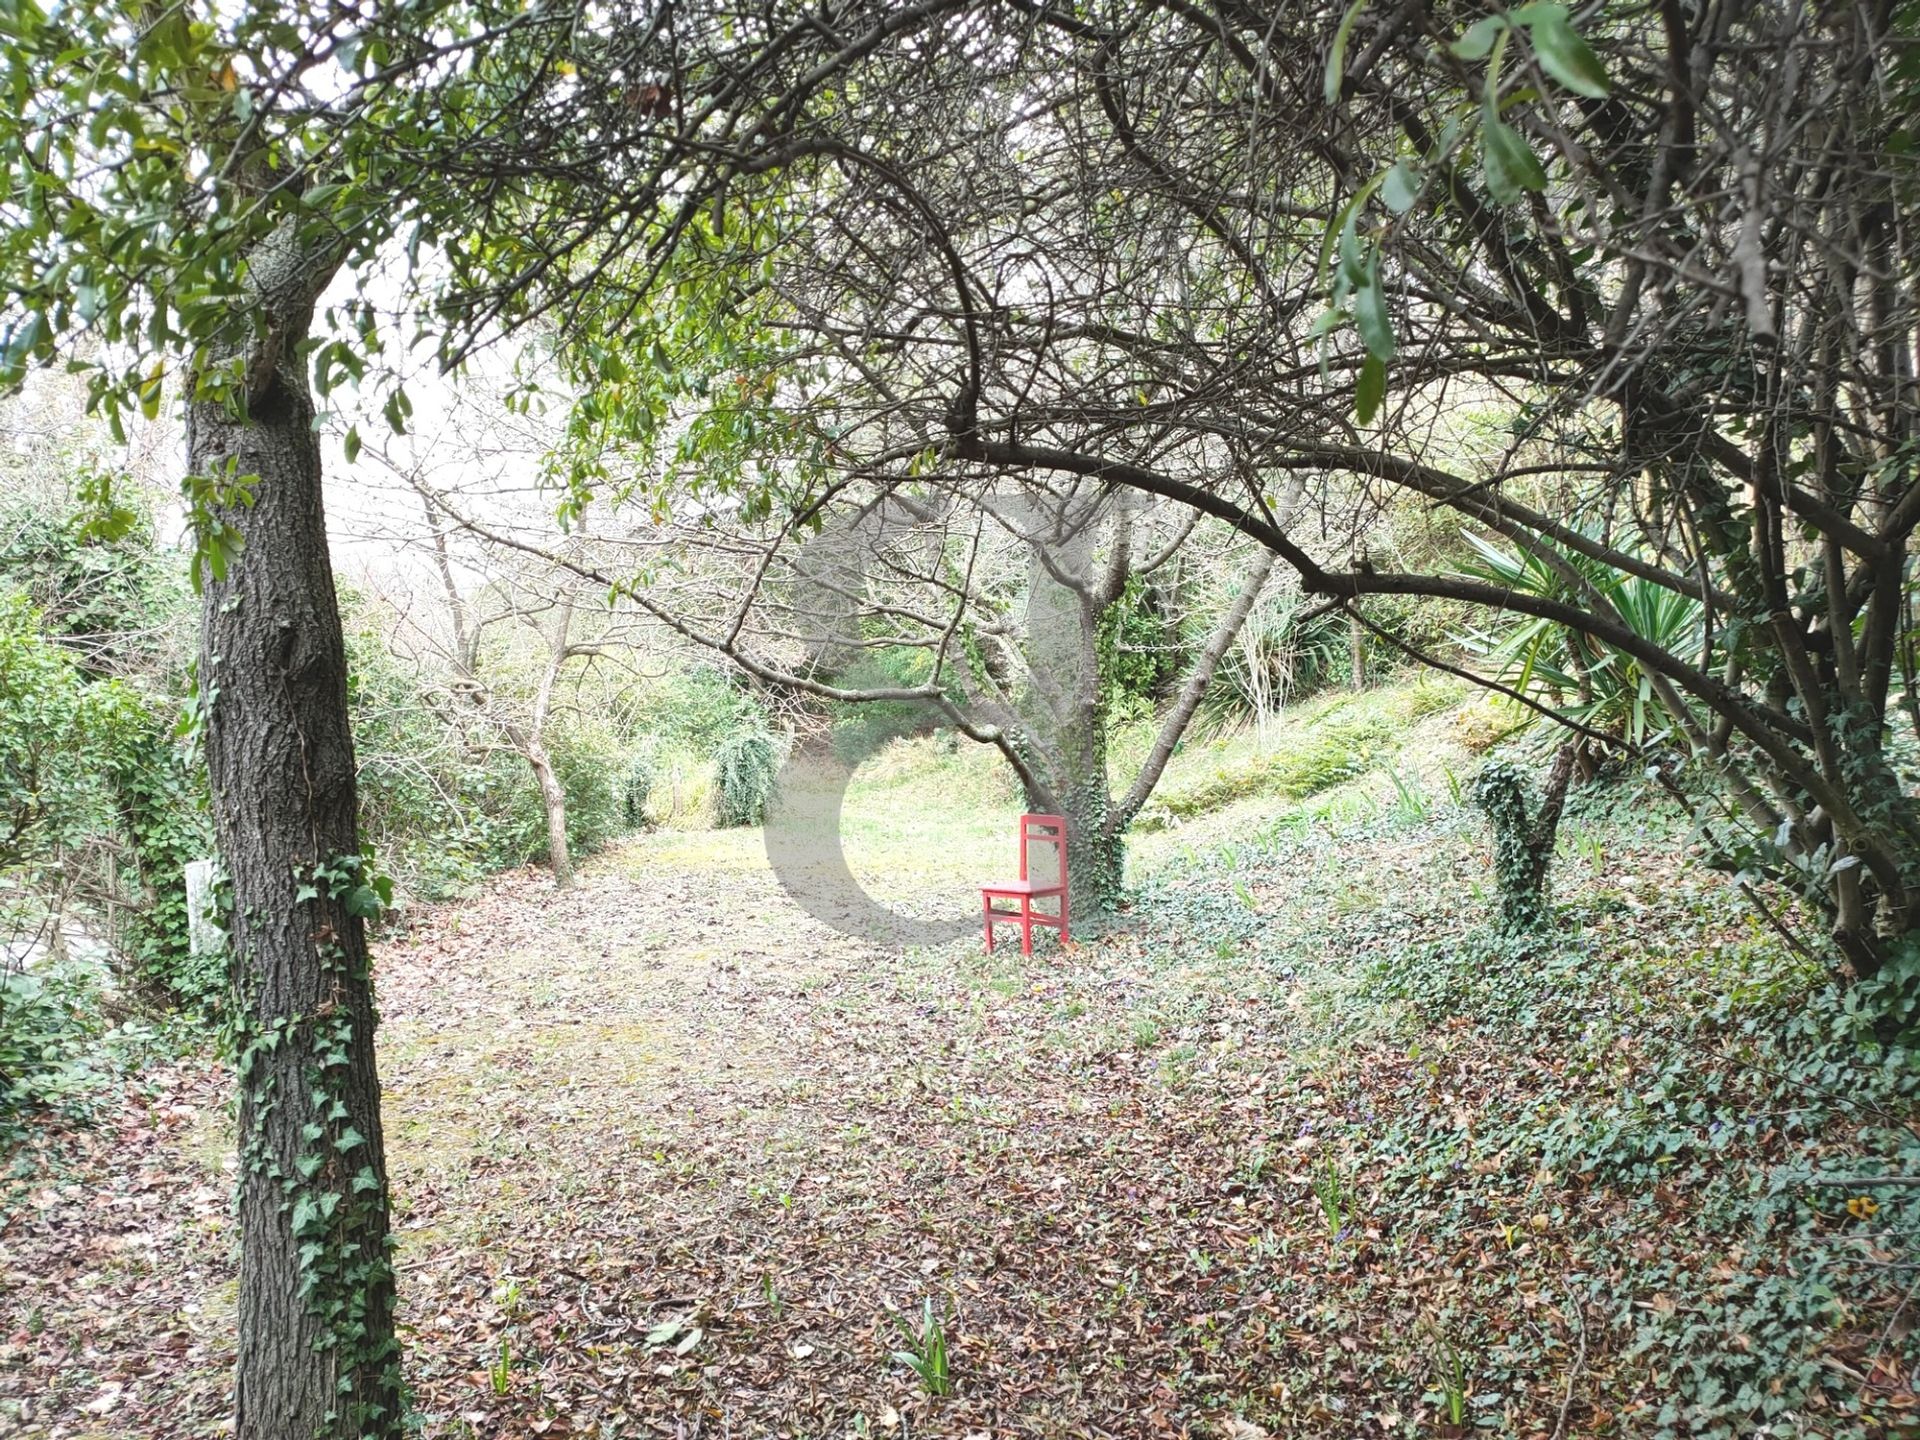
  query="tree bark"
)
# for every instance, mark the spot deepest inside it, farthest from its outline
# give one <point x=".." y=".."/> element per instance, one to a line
<point x="317" y="1351"/>
<point x="1062" y="710"/>
<point x="553" y="798"/>
<point x="1523" y="842"/>
<point x="1225" y="632"/>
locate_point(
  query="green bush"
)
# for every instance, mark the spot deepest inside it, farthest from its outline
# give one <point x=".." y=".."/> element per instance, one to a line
<point x="160" y="789"/>
<point x="1139" y="649"/>
<point x="862" y="728"/>
<point x="1601" y="687"/>
<point x="443" y="802"/>
<point x="91" y="565"/>
<point x="56" y="1048"/>
<point x="92" y="668"/>
<point x="635" y="789"/>
<point x="57" y="739"/>
<point x="88" y="763"/>
<point x="509" y="820"/>
<point x="46" y="1025"/>
<point x="1337" y="748"/>
<point x="695" y="708"/>
<point x="1280" y="658"/>
<point x="743" y="772"/>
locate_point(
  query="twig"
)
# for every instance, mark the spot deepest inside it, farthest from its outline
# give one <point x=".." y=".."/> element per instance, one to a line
<point x="1880" y="1346"/>
<point x="1858" y="1182"/>
<point x="1766" y="911"/>
<point x="1573" y="1375"/>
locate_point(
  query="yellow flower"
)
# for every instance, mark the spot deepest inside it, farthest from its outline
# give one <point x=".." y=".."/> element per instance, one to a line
<point x="1863" y="1207"/>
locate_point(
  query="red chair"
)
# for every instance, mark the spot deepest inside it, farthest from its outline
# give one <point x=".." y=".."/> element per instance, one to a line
<point x="1047" y="830"/>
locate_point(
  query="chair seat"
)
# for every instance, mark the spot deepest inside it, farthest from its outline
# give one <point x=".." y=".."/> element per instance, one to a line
<point x="1019" y="887"/>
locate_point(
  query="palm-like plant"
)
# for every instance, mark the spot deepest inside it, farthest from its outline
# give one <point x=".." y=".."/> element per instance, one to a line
<point x="1599" y="687"/>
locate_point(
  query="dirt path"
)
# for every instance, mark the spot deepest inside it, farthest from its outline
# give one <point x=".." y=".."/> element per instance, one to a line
<point x="671" y="1158"/>
<point x="683" y="1156"/>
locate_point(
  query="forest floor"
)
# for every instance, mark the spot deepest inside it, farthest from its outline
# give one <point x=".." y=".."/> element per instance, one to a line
<point x="1287" y="1152"/>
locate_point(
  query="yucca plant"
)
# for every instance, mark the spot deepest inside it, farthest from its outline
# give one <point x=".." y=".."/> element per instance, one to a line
<point x="926" y="1352"/>
<point x="1280" y="656"/>
<point x="1576" y="675"/>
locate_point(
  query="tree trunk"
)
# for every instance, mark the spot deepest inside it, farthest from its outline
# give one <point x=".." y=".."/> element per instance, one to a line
<point x="1096" y="853"/>
<point x="1064" y="718"/>
<point x="553" y="797"/>
<point x="317" y="1351"/>
<point x="1523" y="838"/>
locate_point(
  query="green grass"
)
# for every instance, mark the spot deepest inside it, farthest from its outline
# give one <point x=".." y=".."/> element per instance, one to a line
<point x="929" y="818"/>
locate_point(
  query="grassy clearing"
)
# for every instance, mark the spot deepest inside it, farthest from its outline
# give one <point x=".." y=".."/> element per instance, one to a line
<point x="1296" y="1151"/>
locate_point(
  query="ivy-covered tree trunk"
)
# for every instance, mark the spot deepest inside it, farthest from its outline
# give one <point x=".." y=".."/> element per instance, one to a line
<point x="1064" y="716"/>
<point x="1523" y="837"/>
<point x="1096" y="850"/>
<point x="317" y="1352"/>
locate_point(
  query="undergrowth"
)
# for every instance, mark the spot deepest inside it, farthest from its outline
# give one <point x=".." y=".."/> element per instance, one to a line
<point x="1635" y="1153"/>
<point x="1328" y="743"/>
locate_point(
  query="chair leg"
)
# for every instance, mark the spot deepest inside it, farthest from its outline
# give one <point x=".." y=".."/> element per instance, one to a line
<point x="1026" y="925"/>
<point x="1065" y="935"/>
<point x="986" y="904"/>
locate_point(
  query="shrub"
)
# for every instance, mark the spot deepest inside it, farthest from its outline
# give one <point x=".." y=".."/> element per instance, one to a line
<point x="635" y="789"/>
<point x="58" y="1050"/>
<point x="590" y="772"/>
<point x="862" y="728"/>
<point x="743" y="772"/>
<point x="161" y="793"/>
<point x="57" y="737"/>
<point x="507" y="820"/>
<point x="1139" y="648"/>
<point x="90" y="564"/>
<point x="695" y="708"/>
<point x="1280" y="657"/>
<point x="53" y="1044"/>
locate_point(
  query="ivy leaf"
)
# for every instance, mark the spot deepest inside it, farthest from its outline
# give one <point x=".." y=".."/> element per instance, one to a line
<point x="1371" y="390"/>
<point x="1510" y="165"/>
<point x="305" y="1214"/>
<point x="363" y="901"/>
<point x="1562" y="53"/>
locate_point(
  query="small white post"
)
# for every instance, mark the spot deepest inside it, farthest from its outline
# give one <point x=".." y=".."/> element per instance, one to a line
<point x="204" y="932"/>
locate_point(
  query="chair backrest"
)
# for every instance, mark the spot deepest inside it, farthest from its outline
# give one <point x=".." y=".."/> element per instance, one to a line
<point x="1049" y="831"/>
